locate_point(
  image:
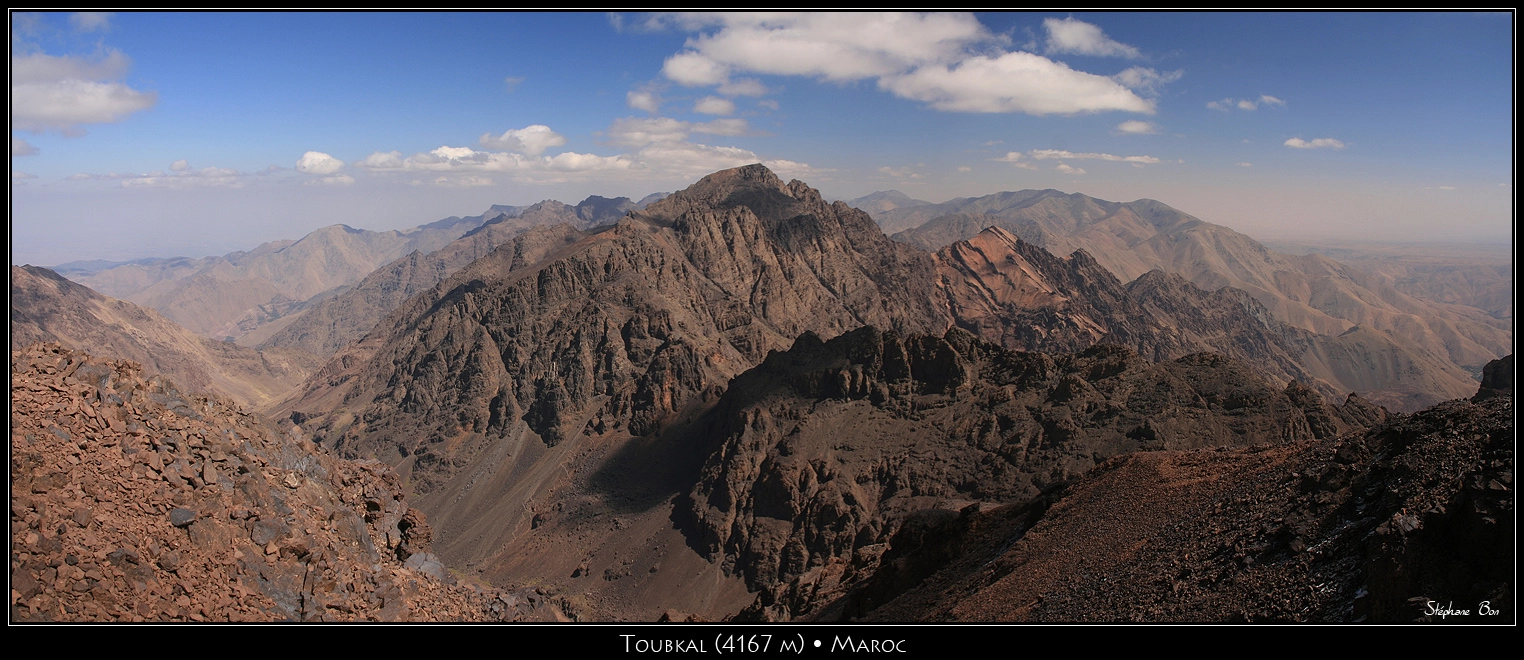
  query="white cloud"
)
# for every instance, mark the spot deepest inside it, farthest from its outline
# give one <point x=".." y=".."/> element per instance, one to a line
<point x="20" y="147"/>
<point x="643" y="101"/>
<point x="21" y="175"/>
<point x="63" y="93"/>
<point x="467" y="181"/>
<point x="180" y="165"/>
<point x="1014" y="158"/>
<point x="1015" y="82"/>
<point x="511" y="83"/>
<point x="1076" y="37"/>
<point x="768" y="103"/>
<point x="319" y="163"/>
<point x="694" y="70"/>
<point x="1244" y="164"/>
<point x="532" y="140"/>
<point x="1146" y="80"/>
<point x="900" y="173"/>
<point x="1045" y="154"/>
<point x="340" y="180"/>
<point x="1246" y="105"/>
<point x="90" y="21"/>
<point x="1136" y="127"/>
<point x="1447" y="187"/>
<point x="714" y="105"/>
<point x="722" y="127"/>
<point x="965" y="168"/>
<point x="1319" y="143"/>
<point x="391" y="160"/>
<point x="1066" y="169"/>
<point x="638" y="132"/>
<point x="947" y="60"/>
<point x="743" y="87"/>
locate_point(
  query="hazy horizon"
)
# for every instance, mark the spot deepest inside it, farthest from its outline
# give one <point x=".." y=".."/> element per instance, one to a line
<point x="182" y="134"/>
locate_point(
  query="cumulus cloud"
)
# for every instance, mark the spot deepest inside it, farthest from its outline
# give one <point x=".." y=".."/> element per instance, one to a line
<point x="1015" y="82"/>
<point x="1319" y="143"/>
<point x="20" y="147"/>
<point x="743" y="87"/>
<point x="180" y="165"/>
<point x="1230" y="103"/>
<point x="63" y="93"/>
<point x="1145" y="80"/>
<point x="643" y="101"/>
<point x="90" y="21"/>
<point x="639" y="132"/>
<point x="391" y="160"/>
<point x="1136" y="127"/>
<point x="15" y="174"/>
<point x="714" y="105"/>
<point x="722" y="127"/>
<point x="1046" y="154"/>
<point x="1076" y="37"/>
<point x="949" y="61"/>
<point x="965" y="168"/>
<point x="532" y="140"/>
<point x="340" y="180"/>
<point x="1066" y="169"/>
<point x="659" y="147"/>
<point x="318" y="163"/>
<point x="1014" y="158"/>
<point x="768" y="103"/>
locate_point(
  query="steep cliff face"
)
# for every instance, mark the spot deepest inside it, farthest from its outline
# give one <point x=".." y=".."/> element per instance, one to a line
<point x="1310" y="292"/>
<point x="1011" y="291"/>
<point x="615" y="329"/>
<point x="829" y="446"/>
<point x="328" y="326"/>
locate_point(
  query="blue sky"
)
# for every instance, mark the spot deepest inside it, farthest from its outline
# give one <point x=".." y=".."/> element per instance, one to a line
<point x="193" y="134"/>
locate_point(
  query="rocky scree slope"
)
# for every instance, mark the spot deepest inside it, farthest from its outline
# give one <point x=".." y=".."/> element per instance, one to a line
<point x="1415" y="513"/>
<point x="132" y="500"/>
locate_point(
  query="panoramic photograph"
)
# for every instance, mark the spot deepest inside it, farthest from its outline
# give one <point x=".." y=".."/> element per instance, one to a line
<point x="754" y="320"/>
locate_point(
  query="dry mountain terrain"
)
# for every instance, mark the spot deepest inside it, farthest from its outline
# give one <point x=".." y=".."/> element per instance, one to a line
<point x="48" y="308"/>
<point x="1311" y="291"/>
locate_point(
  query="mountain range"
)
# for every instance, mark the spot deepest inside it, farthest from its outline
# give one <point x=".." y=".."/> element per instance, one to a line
<point x="741" y="400"/>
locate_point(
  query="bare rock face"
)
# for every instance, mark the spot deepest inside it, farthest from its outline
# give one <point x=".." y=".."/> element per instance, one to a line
<point x="827" y="448"/>
<point x="1011" y="291"/>
<point x="1308" y="292"/>
<point x="337" y="322"/>
<point x="132" y="500"/>
<point x="615" y="329"/>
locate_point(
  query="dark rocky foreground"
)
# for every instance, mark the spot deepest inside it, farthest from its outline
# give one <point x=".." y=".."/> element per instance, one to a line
<point x="1398" y="523"/>
<point x="132" y="500"/>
